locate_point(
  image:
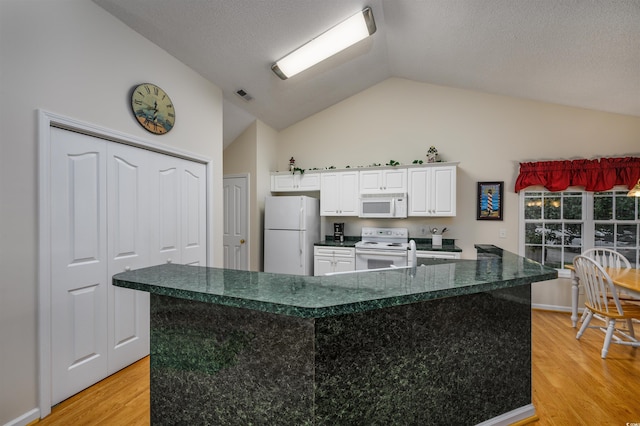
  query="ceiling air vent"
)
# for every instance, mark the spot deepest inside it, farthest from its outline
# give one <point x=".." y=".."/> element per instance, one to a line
<point x="244" y="95"/>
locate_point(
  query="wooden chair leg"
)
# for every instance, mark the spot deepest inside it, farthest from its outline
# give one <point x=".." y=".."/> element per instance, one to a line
<point x="607" y="339"/>
<point x="632" y="332"/>
<point x="585" y="323"/>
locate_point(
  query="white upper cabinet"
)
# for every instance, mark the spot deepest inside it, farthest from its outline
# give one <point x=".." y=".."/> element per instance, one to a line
<point x="383" y="181"/>
<point x="295" y="182"/>
<point x="339" y="194"/>
<point x="432" y="190"/>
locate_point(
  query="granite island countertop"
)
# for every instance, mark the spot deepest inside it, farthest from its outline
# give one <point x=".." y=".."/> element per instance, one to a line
<point x="325" y="296"/>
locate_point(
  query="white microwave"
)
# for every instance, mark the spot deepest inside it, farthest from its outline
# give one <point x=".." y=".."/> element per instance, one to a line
<point x="383" y="205"/>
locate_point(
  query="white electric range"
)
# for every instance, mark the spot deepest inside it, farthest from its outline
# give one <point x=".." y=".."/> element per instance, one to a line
<point x="382" y="248"/>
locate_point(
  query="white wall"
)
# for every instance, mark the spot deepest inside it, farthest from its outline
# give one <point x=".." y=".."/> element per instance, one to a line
<point x="72" y="58"/>
<point x="253" y="152"/>
<point x="488" y="134"/>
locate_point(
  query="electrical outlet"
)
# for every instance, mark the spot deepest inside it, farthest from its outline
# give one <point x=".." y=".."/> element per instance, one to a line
<point x="503" y="233"/>
<point x="423" y="231"/>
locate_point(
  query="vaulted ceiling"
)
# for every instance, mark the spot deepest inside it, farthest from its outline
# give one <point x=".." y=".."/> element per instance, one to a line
<point x="583" y="53"/>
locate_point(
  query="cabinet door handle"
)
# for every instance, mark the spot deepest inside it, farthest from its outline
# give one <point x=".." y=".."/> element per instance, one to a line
<point x="127" y="268"/>
<point x="169" y="260"/>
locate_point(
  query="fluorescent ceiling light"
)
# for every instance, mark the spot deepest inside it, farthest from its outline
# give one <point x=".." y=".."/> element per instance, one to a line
<point x="356" y="28"/>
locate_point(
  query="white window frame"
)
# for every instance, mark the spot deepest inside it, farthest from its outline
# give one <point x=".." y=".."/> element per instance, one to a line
<point x="588" y="221"/>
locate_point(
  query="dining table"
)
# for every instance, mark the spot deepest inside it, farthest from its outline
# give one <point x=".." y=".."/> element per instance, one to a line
<point x="626" y="279"/>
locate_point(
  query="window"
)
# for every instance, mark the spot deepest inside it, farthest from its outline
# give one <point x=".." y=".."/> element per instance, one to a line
<point x="557" y="226"/>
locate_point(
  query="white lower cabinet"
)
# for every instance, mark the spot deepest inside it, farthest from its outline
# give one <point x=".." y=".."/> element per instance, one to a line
<point x="333" y="259"/>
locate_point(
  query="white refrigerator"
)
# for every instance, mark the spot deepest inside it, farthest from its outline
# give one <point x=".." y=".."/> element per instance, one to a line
<point x="291" y="227"/>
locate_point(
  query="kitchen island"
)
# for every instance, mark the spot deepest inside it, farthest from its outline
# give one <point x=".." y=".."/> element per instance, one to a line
<point x="447" y="342"/>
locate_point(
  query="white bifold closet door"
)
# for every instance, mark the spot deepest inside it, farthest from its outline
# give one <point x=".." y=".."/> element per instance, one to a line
<point x="113" y="208"/>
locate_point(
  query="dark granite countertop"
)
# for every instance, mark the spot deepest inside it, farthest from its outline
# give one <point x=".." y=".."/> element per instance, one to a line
<point x="423" y="244"/>
<point x="322" y="296"/>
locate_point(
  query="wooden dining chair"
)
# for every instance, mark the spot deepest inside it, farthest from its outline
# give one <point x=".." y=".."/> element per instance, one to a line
<point x="602" y="299"/>
<point x="608" y="258"/>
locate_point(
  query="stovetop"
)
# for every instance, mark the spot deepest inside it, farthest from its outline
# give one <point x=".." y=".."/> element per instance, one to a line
<point x="384" y="238"/>
<point x="375" y="245"/>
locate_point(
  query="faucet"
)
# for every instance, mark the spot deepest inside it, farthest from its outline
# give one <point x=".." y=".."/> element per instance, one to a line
<point x="413" y="257"/>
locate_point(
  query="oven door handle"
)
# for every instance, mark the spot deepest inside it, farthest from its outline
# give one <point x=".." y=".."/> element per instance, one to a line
<point x="382" y="253"/>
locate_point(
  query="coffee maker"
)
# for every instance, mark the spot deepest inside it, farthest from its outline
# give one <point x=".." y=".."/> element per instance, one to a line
<point x="338" y="232"/>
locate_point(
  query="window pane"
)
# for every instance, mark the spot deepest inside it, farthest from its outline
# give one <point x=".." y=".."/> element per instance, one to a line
<point x="533" y="253"/>
<point x="533" y="233"/>
<point x="569" y="254"/>
<point x="573" y="233"/>
<point x="533" y="208"/>
<point x="631" y="255"/>
<point x="552" y="207"/>
<point x="553" y="257"/>
<point x="626" y="235"/>
<point x="602" y="207"/>
<point x="572" y="207"/>
<point x="603" y="235"/>
<point x="625" y="207"/>
<point x="553" y="235"/>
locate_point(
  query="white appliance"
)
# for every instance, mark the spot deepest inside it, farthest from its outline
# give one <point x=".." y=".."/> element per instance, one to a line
<point x="382" y="248"/>
<point x="291" y="227"/>
<point x="383" y="205"/>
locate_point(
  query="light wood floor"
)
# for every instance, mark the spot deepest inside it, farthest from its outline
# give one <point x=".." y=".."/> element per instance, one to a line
<point x="572" y="385"/>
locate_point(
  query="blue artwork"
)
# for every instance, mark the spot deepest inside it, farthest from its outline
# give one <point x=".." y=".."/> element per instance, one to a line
<point x="490" y="201"/>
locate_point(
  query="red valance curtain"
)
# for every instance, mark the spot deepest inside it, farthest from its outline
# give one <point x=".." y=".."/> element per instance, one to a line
<point x="593" y="175"/>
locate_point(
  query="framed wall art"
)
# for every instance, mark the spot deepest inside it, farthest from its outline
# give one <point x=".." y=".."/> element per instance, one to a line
<point x="490" y="205"/>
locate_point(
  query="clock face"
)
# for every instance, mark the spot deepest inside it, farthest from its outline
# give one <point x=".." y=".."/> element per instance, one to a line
<point x="152" y="108"/>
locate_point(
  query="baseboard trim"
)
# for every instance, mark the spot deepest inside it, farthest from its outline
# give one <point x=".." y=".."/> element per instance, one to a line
<point x="519" y="416"/>
<point x="32" y="416"/>
<point x="526" y="421"/>
<point x="555" y="308"/>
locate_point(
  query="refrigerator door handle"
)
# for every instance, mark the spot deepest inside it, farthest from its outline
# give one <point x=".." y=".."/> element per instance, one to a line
<point x="300" y="244"/>
<point x="301" y="214"/>
<point x="300" y="224"/>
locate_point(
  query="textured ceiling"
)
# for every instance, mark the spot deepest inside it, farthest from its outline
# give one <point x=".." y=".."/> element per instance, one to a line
<point x="583" y="53"/>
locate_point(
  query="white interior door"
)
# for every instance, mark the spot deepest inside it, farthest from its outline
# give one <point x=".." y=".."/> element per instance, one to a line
<point x="128" y="201"/>
<point x="194" y="213"/>
<point x="78" y="263"/>
<point x="235" y="239"/>
<point x="165" y="214"/>
<point x="101" y="207"/>
<point x="113" y="208"/>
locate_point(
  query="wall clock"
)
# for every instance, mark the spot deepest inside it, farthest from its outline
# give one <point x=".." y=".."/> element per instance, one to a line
<point x="153" y="108"/>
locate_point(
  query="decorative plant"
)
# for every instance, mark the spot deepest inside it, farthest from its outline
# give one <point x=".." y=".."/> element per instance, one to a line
<point x="393" y="163"/>
<point x="417" y="161"/>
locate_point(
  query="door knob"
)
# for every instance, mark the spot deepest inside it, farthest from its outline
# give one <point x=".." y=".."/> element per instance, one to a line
<point x="242" y="241"/>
